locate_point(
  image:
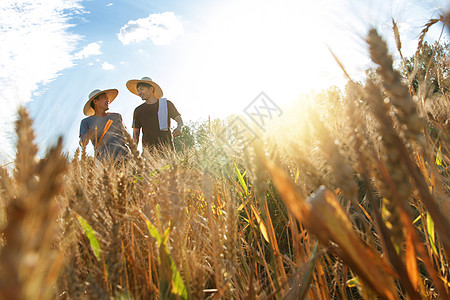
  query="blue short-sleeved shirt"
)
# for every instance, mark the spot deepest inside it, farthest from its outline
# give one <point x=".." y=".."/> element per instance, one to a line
<point x="113" y="143"/>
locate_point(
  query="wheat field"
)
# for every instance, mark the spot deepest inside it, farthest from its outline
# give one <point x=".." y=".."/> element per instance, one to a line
<point x="352" y="204"/>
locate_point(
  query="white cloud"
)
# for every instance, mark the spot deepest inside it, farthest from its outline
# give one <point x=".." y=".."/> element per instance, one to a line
<point x="107" y="66"/>
<point x="90" y="49"/>
<point x="35" y="47"/>
<point x="161" y="28"/>
<point x="109" y="4"/>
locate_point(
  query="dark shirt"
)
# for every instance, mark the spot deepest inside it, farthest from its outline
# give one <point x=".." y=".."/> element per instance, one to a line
<point x="146" y="117"/>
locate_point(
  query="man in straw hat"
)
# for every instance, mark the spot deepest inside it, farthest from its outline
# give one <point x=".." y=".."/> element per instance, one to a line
<point x="104" y="130"/>
<point x="154" y="115"/>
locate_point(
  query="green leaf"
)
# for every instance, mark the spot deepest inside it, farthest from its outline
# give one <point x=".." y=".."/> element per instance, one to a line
<point x="90" y="233"/>
<point x="430" y="229"/>
<point x="296" y="176"/>
<point x="153" y="231"/>
<point x="178" y="287"/>
<point x="241" y="179"/>
<point x="166" y="235"/>
<point x="138" y="178"/>
<point x="166" y="167"/>
<point x="439" y="157"/>
<point x="354" y="282"/>
<point x="157" y="171"/>
<point x="170" y="276"/>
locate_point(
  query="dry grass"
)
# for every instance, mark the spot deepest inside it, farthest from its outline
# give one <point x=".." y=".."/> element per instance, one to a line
<point x="354" y="205"/>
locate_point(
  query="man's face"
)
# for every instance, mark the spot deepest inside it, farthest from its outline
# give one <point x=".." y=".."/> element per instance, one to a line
<point x="145" y="92"/>
<point x="102" y="103"/>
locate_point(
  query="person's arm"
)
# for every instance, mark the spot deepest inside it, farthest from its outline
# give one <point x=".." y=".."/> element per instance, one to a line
<point x="136" y="126"/>
<point x="136" y="134"/>
<point x="86" y="133"/>
<point x="177" y="131"/>
<point x="84" y="139"/>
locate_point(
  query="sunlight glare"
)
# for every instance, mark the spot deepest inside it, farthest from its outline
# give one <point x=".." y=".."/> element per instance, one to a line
<point x="253" y="46"/>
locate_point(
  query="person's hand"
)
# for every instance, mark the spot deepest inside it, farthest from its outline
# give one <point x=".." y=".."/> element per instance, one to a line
<point x="90" y="134"/>
<point x="84" y="140"/>
<point x="176" y="132"/>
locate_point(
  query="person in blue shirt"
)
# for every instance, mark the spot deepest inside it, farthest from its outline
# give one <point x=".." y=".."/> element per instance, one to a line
<point x="104" y="130"/>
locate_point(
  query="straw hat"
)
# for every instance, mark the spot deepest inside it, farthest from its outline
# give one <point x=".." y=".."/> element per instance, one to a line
<point x="111" y="94"/>
<point x="131" y="85"/>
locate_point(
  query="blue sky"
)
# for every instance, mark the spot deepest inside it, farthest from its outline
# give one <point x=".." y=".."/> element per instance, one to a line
<point x="210" y="57"/>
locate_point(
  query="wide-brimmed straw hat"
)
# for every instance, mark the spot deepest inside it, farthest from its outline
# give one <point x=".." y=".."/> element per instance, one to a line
<point x="111" y="94"/>
<point x="131" y="85"/>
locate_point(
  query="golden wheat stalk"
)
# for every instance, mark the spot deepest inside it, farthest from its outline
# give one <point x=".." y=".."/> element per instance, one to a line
<point x="397" y="92"/>
<point x="30" y="261"/>
<point x="323" y="216"/>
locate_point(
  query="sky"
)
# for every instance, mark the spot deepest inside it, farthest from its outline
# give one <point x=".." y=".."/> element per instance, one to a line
<point x="211" y="58"/>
